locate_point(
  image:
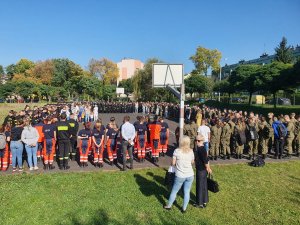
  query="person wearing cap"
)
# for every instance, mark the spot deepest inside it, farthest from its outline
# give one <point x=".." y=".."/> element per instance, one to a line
<point x="215" y="137"/>
<point x="63" y="135"/>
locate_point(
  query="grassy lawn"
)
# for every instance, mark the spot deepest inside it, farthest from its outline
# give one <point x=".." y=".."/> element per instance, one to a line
<point x="6" y="107"/>
<point x="268" y="195"/>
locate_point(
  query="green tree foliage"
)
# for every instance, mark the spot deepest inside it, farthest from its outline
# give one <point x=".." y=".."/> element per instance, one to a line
<point x="127" y="85"/>
<point x="10" y="71"/>
<point x="198" y="84"/>
<point x="1" y="70"/>
<point x="224" y="86"/>
<point x="276" y="76"/>
<point x="246" y="78"/>
<point x="23" y="66"/>
<point x="283" y="52"/>
<point x="205" y="59"/>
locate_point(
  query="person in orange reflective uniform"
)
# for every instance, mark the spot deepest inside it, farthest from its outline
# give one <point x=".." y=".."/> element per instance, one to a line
<point x="4" y="153"/>
<point x="141" y="138"/>
<point x="85" y="141"/>
<point x="98" y="134"/>
<point x="148" y="144"/>
<point x="164" y="137"/>
<point x="39" y="127"/>
<point x="111" y="142"/>
<point x="49" y="144"/>
<point x="155" y="128"/>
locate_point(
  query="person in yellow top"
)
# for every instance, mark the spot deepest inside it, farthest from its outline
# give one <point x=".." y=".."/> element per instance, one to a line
<point x="199" y="117"/>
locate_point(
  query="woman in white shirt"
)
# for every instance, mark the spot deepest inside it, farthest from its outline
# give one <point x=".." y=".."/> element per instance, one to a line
<point x="183" y="158"/>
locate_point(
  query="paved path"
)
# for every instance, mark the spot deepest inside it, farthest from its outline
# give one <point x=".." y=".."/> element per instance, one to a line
<point x="163" y="161"/>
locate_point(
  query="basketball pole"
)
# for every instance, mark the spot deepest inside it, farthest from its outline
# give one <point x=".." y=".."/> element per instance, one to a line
<point x="181" y="119"/>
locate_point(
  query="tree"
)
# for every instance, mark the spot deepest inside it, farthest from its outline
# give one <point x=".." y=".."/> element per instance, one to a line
<point x="1" y="70"/>
<point x="246" y="78"/>
<point x="205" y="59"/>
<point x="127" y="85"/>
<point x="10" y="71"/>
<point x="105" y="69"/>
<point x="23" y="66"/>
<point x="198" y="83"/>
<point x="224" y="86"/>
<point x="283" y="52"/>
<point x="275" y="77"/>
<point x="43" y="71"/>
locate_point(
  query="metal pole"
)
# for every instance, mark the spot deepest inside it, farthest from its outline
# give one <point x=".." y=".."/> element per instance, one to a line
<point x="181" y="117"/>
<point x="220" y="80"/>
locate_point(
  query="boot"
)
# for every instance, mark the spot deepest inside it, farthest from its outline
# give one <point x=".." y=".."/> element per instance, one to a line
<point x="264" y="156"/>
<point x="66" y="166"/>
<point x="111" y="163"/>
<point x="46" y="167"/>
<point x="100" y="165"/>
<point x="240" y="156"/>
<point x="60" y="164"/>
<point x="124" y="167"/>
<point x="237" y="156"/>
<point x="228" y="156"/>
<point x="51" y="167"/>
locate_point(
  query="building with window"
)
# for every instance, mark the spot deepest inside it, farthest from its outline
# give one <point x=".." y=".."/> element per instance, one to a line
<point x="262" y="60"/>
<point x="127" y="68"/>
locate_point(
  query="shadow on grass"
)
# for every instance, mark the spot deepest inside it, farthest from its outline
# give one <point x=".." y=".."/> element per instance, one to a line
<point x="101" y="217"/>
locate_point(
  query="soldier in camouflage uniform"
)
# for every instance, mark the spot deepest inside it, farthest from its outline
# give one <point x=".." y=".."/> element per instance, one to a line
<point x="263" y="133"/>
<point x="290" y="136"/>
<point x="225" y="139"/>
<point x="297" y="134"/>
<point x="215" y="138"/>
<point x="252" y="137"/>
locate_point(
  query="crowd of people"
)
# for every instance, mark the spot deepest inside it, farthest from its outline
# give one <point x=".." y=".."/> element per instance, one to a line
<point x="230" y="133"/>
<point x="51" y="133"/>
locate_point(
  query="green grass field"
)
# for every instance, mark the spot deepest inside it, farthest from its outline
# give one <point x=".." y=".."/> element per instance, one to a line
<point x="6" y="107"/>
<point x="268" y="195"/>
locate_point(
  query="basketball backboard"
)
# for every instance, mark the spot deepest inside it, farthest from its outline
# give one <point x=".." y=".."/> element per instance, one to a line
<point x="167" y="74"/>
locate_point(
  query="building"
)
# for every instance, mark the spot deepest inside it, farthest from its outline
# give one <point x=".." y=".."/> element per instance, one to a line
<point x="127" y="68"/>
<point x="262" y="60"/>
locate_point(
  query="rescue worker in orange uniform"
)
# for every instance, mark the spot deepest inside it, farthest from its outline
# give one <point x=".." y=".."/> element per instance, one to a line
<point x="85" y="141"/>
<point x="164" y="136"/>
<point x="155" y="129"/>
<point x="39" y="127"/>
<point x="4" y="152"/>
<point x="49" y="131"/>
<point x="98" y="134"/>
<point x="111" y="141"/>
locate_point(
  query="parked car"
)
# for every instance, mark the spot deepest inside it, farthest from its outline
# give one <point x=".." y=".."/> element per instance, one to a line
<point x="238" y="100"/>
<point x="280" y="101"/>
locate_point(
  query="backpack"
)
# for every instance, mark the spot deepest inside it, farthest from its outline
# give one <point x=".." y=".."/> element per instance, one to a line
<point x="2" y="141"/>
<point x="253" y="133"/>
<point x="267" y="131"/>
<point x="282" y="131"/>
<point x="258" y="162"/>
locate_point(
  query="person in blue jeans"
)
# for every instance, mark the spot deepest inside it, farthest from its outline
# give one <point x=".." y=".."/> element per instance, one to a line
<point x="16" y="146"/>
<point x="183" y="159"/>
<point x="30" y="138"/>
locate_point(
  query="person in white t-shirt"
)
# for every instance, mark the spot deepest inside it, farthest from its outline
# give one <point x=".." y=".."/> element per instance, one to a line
<point x="205" y="132"/>
<point x="183" y="158"/>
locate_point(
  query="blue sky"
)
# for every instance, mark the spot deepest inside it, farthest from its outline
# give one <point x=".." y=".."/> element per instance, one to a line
<point x="170" y="30"/>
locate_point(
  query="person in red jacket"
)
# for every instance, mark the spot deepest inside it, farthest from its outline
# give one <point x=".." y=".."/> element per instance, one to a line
<point x="39" y="127"/>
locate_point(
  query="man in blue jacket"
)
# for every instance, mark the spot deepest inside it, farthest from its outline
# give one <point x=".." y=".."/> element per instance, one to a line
<point x="280" y="133"/>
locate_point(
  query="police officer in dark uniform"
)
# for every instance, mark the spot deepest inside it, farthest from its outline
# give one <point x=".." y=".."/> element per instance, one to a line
<point x="63" y="134"/>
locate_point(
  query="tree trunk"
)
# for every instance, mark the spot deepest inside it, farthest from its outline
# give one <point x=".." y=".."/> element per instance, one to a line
<point x="274" y="100"/>
<point x="250" y="98"/>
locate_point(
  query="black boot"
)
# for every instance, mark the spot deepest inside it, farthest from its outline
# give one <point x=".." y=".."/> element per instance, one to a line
<point x="60" y="164"/>
<point x="240" y="156"/>
<point x="264" y="156"/>
<point x="46" y="167"/>
<point x="66" y="166"/>
<point x="51" y="167"/>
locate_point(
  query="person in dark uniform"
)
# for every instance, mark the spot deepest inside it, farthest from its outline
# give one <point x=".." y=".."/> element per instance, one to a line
<point x="63" y="132"/>
<point x="202" y="168"/>
<point x="49" y="131"/>
<point x="73" y="140"/>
